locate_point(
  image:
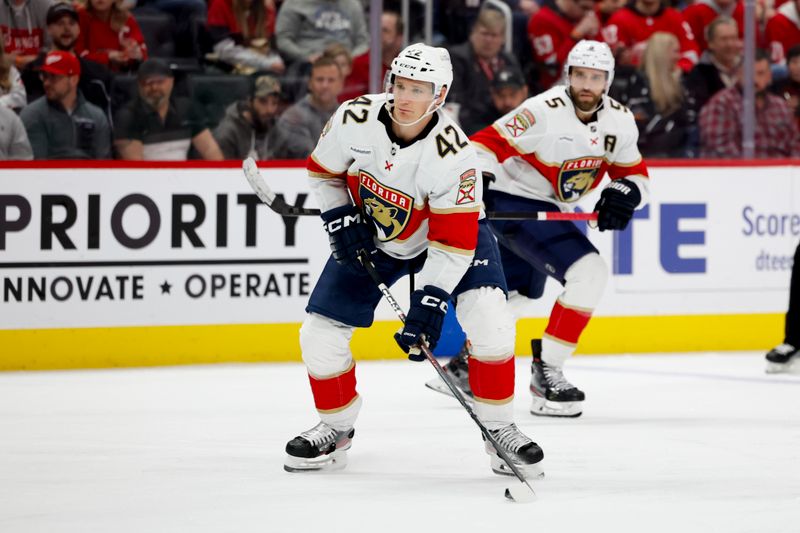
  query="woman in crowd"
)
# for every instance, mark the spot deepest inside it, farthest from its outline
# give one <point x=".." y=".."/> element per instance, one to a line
<point x="664" y="111"/>
<point x="242" y="32"/>
<point x="110" y="35"/>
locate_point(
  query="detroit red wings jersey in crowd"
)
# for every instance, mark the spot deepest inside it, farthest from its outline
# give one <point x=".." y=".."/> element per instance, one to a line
<point x="783" y="31"/>
<point x="549" y="32"/>
<point x="540" y="150"/>
<point x="631" y="29"/>
<point x="425" y="195"/>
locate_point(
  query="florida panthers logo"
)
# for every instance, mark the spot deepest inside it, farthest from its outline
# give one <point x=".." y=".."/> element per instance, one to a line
<point x="389" y="209"/>
<point x="577" y="176"/>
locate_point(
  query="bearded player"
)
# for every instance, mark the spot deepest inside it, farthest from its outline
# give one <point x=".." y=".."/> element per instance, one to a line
<point x="395" y="177"/>
<point x="543" y="156"/>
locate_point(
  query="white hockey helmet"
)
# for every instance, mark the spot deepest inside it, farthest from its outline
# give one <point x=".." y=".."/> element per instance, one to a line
<point x="591" y="54"/>
<point x="423" y="63"/>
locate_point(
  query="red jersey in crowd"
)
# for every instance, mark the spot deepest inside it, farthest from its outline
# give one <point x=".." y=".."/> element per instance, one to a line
<point x="549" y="32"/>
<point x="220" y="13"/>
<point x="783" y="32"/>
<point x="98" y="38"/>
<point x="357" y="83"/>
<point x="629" y="28"/>
<point x="700" y="14"/>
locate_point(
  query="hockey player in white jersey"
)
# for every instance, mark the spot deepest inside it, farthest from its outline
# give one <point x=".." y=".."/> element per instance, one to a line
<point x="544" y="156"/>
<point x="395" y="177"/>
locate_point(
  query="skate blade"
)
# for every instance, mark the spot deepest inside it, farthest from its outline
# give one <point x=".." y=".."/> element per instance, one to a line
<point x="534" y="471"/>
<point x="542" y="407"/>
<point x="439" y="386"/>
<point x="792" y="367"/>
<point x="327" y="463"/>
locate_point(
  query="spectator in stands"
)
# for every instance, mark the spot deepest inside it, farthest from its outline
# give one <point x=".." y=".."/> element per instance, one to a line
<point x="555" y="29"/>
<point x="62" y="124"/>
<point x="509" y="90"/>
<point x="776" y="133"/>
<point x="783" y="30"/>
<point x="306" y="27"/>
<point x="158" y="126"/>
<point x="629" y="28"/>
<point x="665" y="113"/>
<point x="110" y="35"/>
<point x="242" y="32"/>
<point x="22" y="24"/>
<point x="700" y="14"/>
<point x="475" y="64"/>
<point x="789" y="88"/>
<point x="12" y="91"/>
<point x="357" y="83"/>
<point x="342" y="57"/>
<point x="718" y="66"/>
<point x="606" y="8"/>
<point x="14" y="142"/>
<point x="299" y="128"/>
<point x="63" y="31"/>
<point x="244" y="131"/>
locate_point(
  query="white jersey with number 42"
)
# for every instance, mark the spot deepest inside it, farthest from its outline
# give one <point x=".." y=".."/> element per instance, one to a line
<point x="420" y="195"/>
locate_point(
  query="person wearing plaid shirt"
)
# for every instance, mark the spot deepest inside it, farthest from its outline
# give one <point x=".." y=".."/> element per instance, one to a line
<point x="776" y="134"/>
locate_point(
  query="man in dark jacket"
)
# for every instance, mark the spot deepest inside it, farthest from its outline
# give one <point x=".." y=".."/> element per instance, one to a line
<point x="475" y="65"/>
<point x="718" y="65"/>
<point x="244" y="130"/>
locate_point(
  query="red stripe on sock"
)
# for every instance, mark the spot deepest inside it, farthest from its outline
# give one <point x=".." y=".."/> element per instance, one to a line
<point x="567" y="324"/>
<point x="492" y="380"/>
<point x="334" y="393"/>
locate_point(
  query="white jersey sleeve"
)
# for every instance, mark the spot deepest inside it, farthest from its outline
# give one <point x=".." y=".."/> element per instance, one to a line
<point x="327" y="165"/>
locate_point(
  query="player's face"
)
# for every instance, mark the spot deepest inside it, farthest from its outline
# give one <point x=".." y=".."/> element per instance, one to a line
<point x="412" y="98"/>
<point x="587" y="86"/>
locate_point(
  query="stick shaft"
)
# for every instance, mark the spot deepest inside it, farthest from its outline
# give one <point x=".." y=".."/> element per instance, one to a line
<point x="376" y="278"/>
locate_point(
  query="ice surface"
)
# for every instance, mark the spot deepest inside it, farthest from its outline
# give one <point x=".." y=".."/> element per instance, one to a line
<point x="690" y="443"/>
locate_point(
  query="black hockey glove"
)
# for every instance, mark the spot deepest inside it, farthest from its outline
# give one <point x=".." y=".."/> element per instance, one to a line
<point x="617" y="204"/>
<point x="425" y="317"/>
<point x="348" y="233"/>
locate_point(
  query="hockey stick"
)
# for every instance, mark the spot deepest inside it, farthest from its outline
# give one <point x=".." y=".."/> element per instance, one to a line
<point x="376" y="277"/>
<point x="279" y="205"/>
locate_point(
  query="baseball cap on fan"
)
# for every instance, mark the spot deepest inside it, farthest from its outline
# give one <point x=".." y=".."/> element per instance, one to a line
<point x="265" y="86"/>
<point x="61" y="9"/>
<point x="508" y="77"/>
<point x="61" y="63"/>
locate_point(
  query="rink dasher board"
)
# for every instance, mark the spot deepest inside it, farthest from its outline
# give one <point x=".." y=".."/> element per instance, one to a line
<point x="148" y="264"/>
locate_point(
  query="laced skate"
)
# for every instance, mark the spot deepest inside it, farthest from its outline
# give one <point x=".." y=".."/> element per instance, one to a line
<point x="320" y="448"/>
<point x="552" y="394"/>
<point x="783" y="358"/>
<point x="458" y="369"/>
<point x="523" y="452"/>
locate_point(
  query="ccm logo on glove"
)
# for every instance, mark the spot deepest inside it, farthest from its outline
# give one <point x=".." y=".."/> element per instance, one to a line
<point x="433" y="301"/>
<point x="335" y="225"/>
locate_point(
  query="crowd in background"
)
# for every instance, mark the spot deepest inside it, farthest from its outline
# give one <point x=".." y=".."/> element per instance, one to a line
<point x="227" y="79"/>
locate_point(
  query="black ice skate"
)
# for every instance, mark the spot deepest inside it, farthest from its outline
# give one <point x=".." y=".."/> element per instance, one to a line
<point x="552" y="394"/>
<point x="320" y="448"/>
<point x="458" y="370"/>
<point x="783" y="358"/>
<point x="523" y="452"/>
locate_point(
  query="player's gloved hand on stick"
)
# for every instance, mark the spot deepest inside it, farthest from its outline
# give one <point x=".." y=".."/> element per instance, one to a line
<point x="348" y="233"/>
<point x="617" y="203"/>
<point x="425" y="317"/>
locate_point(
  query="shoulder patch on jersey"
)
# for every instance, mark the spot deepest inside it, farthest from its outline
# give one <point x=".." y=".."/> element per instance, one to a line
<point x="466" y="187"/>
<point x="576" y="177"/>
<point x="389" y="209"/>
<point x="520" y="122"/>
<point x="327" y="128"/>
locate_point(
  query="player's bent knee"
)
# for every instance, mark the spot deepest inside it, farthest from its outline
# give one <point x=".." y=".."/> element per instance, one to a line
<point x="325" y="345"/>
<point x="585" y="281"/>
<point x="486" y="319"/>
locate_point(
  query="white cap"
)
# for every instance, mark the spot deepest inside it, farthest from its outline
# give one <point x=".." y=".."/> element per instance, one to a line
<point x="591" y="54"/>
<point x="424" y="63"/>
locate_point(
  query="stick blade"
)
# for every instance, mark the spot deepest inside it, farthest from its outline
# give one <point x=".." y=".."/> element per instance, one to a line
<point x="520" y="493"/>
<point x="257" y="183"/>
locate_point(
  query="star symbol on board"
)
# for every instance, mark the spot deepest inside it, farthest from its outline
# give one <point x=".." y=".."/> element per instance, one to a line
<point x="165" y="287"/>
